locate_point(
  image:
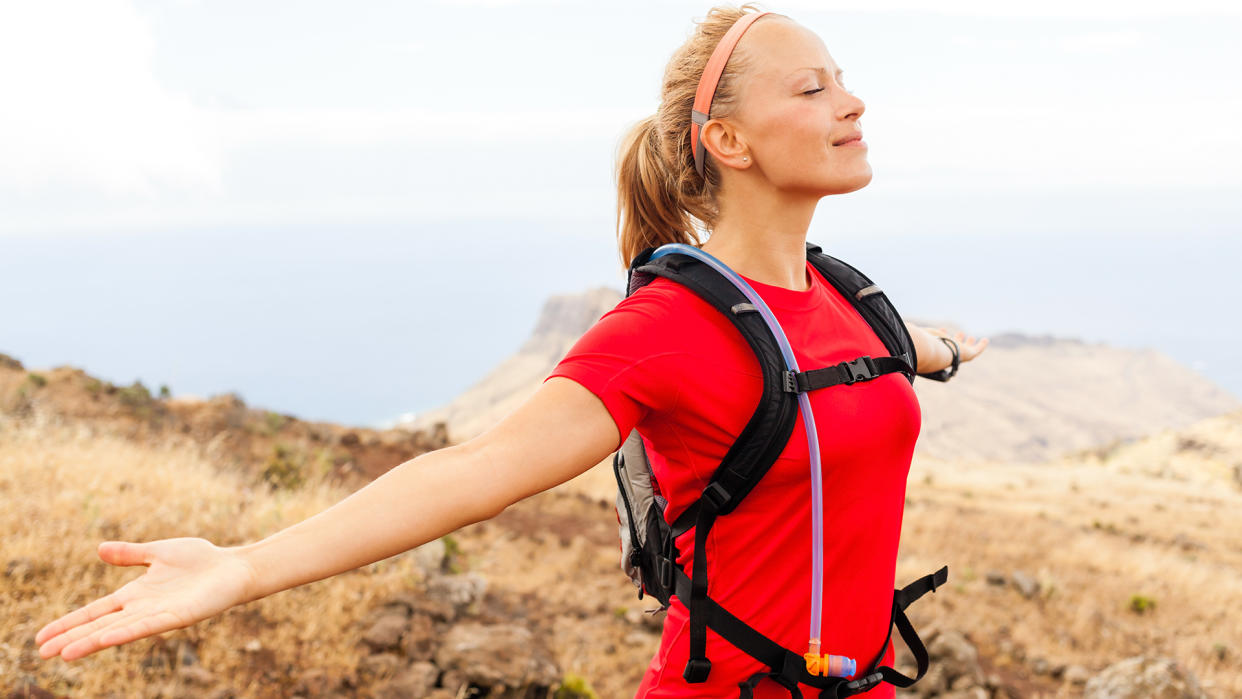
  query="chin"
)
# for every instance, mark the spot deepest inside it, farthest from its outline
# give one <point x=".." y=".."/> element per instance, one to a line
<point x="845" y="185"/>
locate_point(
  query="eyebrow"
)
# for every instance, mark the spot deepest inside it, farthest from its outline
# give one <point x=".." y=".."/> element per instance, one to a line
<point x="818" y="69"/>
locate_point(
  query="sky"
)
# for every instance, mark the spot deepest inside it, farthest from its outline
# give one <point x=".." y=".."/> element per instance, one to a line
<point x="141" y="129"/>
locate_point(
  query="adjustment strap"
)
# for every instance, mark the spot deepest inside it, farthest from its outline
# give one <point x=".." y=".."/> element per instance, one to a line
<point x="793" y="666"/>
<point x="928" y="583"/>
<point x="863" y="368"/>
<point x="901" y="599"/>
<point x="785" y="678"/>
<point x="698" y="666"/>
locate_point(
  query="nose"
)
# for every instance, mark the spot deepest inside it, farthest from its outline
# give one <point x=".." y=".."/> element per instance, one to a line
<point x="850" y="106"/>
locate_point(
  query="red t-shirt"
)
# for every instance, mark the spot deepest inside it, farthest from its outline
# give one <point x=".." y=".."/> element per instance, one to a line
<point x="669" y="364"/>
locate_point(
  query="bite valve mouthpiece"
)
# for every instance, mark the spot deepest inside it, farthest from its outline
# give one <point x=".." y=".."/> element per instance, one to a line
<point x="828" y="665"/>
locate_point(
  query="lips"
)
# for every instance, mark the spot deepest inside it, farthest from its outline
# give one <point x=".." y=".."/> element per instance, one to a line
<point x="854" y="137"/>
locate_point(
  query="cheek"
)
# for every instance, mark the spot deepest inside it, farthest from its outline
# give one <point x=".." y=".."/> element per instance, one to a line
<point x="799" y="134"/>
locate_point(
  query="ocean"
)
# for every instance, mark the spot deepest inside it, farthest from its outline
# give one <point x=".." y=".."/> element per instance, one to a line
<point x="363" y="324"/>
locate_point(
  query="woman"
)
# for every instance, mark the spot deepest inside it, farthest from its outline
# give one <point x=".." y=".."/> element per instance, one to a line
<point x="782" y="135"/>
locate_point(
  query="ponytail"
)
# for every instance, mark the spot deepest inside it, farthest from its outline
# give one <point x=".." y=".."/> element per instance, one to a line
<point x="648" y="211"/>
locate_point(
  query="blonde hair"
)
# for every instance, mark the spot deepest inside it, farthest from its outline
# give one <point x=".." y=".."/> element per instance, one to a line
<point x="660" y="196"/>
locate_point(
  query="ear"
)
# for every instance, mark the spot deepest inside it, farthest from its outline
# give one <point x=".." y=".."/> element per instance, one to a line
<point x="723" y="143"/>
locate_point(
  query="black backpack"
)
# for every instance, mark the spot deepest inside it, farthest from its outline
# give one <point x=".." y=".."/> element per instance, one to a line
<point x="648" y="543"/>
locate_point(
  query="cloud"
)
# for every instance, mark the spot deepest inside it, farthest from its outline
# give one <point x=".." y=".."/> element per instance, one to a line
<point x="83" y="108"/>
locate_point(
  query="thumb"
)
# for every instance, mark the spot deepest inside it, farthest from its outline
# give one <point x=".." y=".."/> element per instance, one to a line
<point x="123" y="553"/>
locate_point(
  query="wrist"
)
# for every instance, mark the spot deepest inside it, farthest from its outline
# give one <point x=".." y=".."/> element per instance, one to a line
<point x="256" y="587"/>
<point x="953" y="359"/>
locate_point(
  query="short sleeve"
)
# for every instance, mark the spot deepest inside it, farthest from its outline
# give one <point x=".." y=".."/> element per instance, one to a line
<point x="627" y="361"/>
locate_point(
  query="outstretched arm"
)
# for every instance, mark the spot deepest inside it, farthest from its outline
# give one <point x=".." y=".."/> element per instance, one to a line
<point x="934" y="354"/>
<point x="561" y="431"/>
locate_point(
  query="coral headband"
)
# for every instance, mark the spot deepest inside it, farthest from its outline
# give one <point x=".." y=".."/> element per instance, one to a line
<point x="708" y="81"/>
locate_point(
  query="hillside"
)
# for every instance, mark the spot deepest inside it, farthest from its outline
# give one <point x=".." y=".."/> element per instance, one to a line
<point x="1034" y="398"/>
<point x="1059" y="570"/>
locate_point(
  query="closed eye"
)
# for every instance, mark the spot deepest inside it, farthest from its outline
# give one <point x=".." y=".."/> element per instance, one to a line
<point x="811" y="92"/>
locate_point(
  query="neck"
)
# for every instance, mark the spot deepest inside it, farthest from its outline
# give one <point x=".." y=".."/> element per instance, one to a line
<point x="764" y="239"/>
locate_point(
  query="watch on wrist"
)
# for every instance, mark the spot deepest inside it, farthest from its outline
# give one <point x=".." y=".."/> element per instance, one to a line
<point x="947" y="373"/>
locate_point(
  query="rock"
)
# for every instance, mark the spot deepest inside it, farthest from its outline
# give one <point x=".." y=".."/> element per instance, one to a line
<point x="437" y="608"/>
<point x="419" y="642"/>
<point x="195" y="676"/>
<point x="1026" y="585"/>
<point x="253" y="646"/>
<point x="954" y="665"/>
<point x="1076" y="674"/>
<point x="461" y="591"/>
<point x="414" y="682"/>
<point x="972" y="693"/>
<point x="429" y="558"/>
<point x="1039" y="666"/>
<point x="400" y="603"/>
<point x="313" y="683"/>
<point x="386" y="633"/>
<point x="453" y="682"/>
<point x="380" y="666"/>
<point x="1144" y="677"/>
<point x="500" y="656"/>
<point x="995" y="577"/>
<point x="221" y="693"/>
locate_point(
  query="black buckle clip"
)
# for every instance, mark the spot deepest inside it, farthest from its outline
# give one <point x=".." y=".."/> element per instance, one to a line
<point x="716" y="495"/>
<point x="664" y="572"/>
<point x="791" y="382"/>
<point x="697" y="670"/>
<point x="865" y="683"/>
<point x="861" y="369"/>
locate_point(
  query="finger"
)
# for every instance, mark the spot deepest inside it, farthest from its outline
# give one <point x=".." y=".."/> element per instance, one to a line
<point x="124" y="553"/>
<point x="121" y="632"/>
<point x="104" y="605"/>
<point x="57" y="644"/>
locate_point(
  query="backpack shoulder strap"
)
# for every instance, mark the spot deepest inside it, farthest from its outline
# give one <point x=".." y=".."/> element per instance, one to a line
<point x="872" y="303"/>
<point x="766" y="434"/>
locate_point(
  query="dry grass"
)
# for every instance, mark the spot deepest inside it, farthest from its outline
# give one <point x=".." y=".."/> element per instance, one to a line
<point x="63" y="490"/>
<point x="1157" y="519"/>
<point x="1094" y="535"/>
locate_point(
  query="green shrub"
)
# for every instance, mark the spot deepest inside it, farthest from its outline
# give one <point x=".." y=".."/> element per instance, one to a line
<point x="1141" y="604"/>
<point x="272" y="422"/>
<point x="134" y="395"/>
<point x="575" y="686"/>
<point x="283" y="469"/>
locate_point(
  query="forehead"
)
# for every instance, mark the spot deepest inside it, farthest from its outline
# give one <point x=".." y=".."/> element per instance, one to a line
<point x="778" y="48"/>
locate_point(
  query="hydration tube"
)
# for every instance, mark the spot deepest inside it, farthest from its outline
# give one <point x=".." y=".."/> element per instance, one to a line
<point x="831" y="664"/>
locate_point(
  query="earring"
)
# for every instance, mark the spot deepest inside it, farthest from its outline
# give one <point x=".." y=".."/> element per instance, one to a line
<point x="744" y="158"/>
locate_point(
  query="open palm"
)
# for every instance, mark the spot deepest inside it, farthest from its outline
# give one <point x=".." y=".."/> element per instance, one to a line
<point x="187" y="580"/>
